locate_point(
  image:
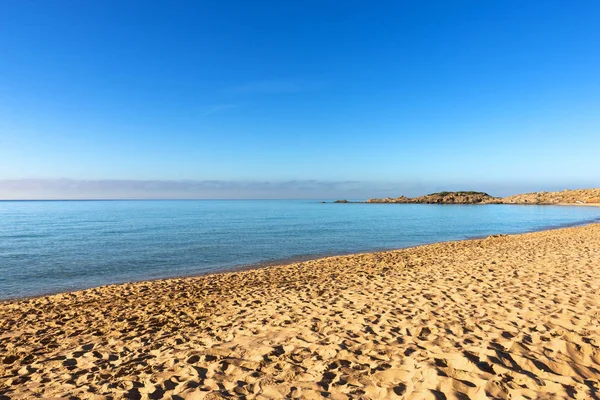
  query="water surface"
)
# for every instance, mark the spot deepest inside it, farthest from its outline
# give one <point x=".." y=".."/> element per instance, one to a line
<point x="54" y="246"/>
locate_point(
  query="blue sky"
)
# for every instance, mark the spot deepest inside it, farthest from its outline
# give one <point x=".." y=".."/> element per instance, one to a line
<point x="405" y="96"/>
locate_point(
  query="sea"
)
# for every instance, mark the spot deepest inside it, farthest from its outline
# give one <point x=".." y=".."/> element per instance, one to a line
<point x="57" y="246"/>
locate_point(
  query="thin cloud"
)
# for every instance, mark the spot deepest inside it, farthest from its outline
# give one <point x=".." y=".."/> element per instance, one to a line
<point x="189" y="189"/>
<point x="217" y="109"/>
<point x="50" y="189"/>
<point x="273" y="87"/>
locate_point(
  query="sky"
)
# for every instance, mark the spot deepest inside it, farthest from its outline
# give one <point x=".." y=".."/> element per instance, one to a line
<point x="288" y="99"/>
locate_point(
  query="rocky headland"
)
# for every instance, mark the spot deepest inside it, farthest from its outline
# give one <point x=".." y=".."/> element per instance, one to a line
<point x="579" y="196"/>
<point x="469" y="197"/>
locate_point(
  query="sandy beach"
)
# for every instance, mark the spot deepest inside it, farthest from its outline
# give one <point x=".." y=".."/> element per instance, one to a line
<point x="501" y="317"/>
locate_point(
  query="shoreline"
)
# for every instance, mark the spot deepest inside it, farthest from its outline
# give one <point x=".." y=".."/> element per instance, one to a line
<point x="470" y="204"/>
<point x="304" y="258"/>
<point x="498" y="317"/>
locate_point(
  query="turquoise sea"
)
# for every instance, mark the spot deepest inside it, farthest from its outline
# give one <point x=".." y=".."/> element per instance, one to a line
<point x="55" y="246"/>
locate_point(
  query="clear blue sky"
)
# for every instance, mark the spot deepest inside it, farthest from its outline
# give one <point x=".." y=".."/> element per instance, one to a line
<point x="500" y="95"/>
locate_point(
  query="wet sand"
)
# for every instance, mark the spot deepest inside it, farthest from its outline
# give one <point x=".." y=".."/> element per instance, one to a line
<point x="501" y="317"/>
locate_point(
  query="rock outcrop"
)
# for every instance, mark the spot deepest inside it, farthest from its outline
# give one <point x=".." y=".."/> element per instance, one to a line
<point x="579" y="196"/>
<point x="469" y="197"/>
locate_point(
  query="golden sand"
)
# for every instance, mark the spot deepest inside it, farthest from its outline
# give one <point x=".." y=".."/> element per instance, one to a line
<point x="502" y="317"/>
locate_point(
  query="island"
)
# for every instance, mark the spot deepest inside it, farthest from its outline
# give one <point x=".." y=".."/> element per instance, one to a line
<point x="462" y="197"/>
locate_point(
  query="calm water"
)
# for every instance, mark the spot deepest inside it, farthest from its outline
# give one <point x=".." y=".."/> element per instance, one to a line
<point x="53" y="246"/>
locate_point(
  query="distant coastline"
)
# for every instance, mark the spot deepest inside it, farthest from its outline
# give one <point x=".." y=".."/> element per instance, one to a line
<point x="590" y="197"/>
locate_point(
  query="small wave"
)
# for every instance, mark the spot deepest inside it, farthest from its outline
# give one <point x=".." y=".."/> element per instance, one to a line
<point x="24" y="236"/>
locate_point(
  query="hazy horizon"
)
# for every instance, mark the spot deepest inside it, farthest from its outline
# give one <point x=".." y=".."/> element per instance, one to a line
<point x="69" y="189"/>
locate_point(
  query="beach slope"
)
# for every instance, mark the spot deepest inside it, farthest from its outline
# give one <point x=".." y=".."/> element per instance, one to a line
<point x="502" y="317"/>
